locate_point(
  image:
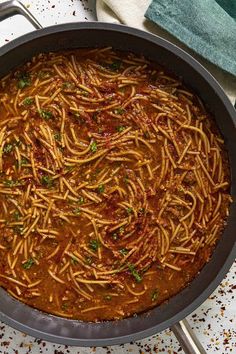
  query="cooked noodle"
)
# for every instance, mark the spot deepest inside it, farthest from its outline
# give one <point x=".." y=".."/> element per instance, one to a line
<point x="114" y="184"/>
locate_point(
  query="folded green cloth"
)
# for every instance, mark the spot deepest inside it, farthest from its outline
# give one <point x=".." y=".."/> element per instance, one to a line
<point x="206" y="26"/>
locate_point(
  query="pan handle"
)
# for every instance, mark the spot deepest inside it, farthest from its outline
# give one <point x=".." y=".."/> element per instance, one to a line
<point x="187" y="338"/>
<point x="14" y="7"/>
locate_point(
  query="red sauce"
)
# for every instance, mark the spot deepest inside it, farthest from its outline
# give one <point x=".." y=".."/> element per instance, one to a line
<point x="114" y="184"/>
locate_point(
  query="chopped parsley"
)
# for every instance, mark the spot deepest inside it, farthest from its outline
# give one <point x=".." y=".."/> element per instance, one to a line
<point x="17" y="143"/>
<point x="16" y="215"/>
<point x="94" y="245"/>
<point x="115" y="65"/>
<point x="129" y="210"/>
<point x="11" y="183"/>
<point x="81" y="200"/>
<point x="108" y="297"/>
<point x="73" y="260"/>
<point x="17" y="164"/>
<point x="154" y="295"/>
<point x="141" y="211"/>
<point x="114" y="236"/>
<point x="64" y="306"/>
<point x="46" y="114"/>
<point x="126" y="179"/>
<point x="67" y="85"/>
<point x="159" y="267"/>
<point x="122" y="89"/>
<point x="135" y="273"/>
<point x="22" y="162"/>
<point x="80" y="120"/>
<point x="95" y="116"/>
<point x="84" y="92"/>
<point x="57" y="136"/>
<point x="28" y="264"/>
<point x="93" y="146"/>
<point x="121" y="230"/>
<point x="28" y="101"/>
<point x="119" y="111"/>
<point x="124" y="251"/>
<point x="77" y="211"/>
<point x="23" y="80"/>
<point x="18" y="229"/>
<point x="69" y="168"/>
<point x="120" y="128"/>
<point x="8" y="148"/>
<point x="44" y="74"/>
<point x="101" y="188"/>
<point x="47" y="181"/>
<point x="88" y="260"/>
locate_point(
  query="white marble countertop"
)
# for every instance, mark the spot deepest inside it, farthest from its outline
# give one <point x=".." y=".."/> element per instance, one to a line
<point x="214" y="322"/>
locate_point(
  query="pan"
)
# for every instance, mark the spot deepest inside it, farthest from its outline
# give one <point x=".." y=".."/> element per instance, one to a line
<point x="170" y="314"/>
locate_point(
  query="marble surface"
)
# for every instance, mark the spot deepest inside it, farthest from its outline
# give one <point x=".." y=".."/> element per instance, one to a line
<point x="214" y="322"/>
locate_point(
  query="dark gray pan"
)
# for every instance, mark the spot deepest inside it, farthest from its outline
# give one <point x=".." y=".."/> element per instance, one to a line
<point x="77" y="35"/>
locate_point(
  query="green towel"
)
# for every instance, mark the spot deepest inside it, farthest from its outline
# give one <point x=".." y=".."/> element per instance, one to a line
<point x="206" y="26"/>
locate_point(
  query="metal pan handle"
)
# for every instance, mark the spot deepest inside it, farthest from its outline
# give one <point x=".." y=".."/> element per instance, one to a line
<point x="187" y="339"/>
<point x="14" y="7"/>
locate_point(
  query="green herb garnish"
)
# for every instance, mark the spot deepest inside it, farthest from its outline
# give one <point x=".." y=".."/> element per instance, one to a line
<point x="121" y="230"/>
<point x="74" y="261"/>
<point x="77" y="211"/>
<point x="80" y="120"/>
<point x="93" y="146"/>
<point x="115" y="65"/>
<point x="108" y="297"/>
<point x="46" y="114"/>
<point x="24" y="161"/>
<point x="114" y="236"/>
<point x="154" y="295"/>
<point x="126" y="179"/>
<point x="16" y="215"/>
<point x="120" y="128"/>
<point x="129" y="210"/>
<point x="88" y="260"/>
<point x="101" y="188"/>
<point x="141" y="211"/>
<point x="84" y="93"/>
<point x="24" y="80"/>
<point x="135" y="273"/>
<point x="28" y="264"/>
<point x="44" y="74"/>
<point x="94" y="245"/>
<point x="124" y="251"/>
<point x="28" y="101"/>
<point x="77" y="116"/>
<point x="159" y="267"/>
<point x="47" y="181"/>
<point x="64" y="306"/>
<point x="18" y="229"/>
<point x="11" y="183"/>
<point x="81" y="200"/>
<point x="8" y="148"/>
<point x="95" y="116"/>
<point x="57" y="136"/>
<point x="119" y="111"/>
<point x="67" y="85"/>
<point x="69" y="168"/>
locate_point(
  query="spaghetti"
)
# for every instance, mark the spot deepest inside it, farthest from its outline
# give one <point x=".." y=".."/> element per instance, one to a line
<point x="114" y="184"/>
